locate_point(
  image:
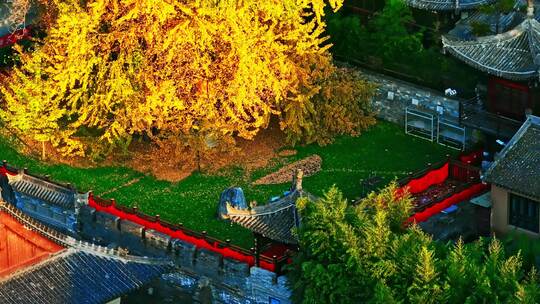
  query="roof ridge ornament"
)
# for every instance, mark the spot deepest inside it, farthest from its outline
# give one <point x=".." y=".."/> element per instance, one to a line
<point x="297" y="180"/>
<point x="530" y="8"/>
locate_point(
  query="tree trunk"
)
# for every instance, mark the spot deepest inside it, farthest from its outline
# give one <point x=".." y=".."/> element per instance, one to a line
<point x="198" y="161"/>
<point x="43" y="150"/>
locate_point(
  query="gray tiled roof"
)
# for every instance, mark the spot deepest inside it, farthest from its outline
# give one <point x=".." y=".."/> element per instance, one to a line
<point x="445" y="5"/>
<point x="43" y="190"/>
<point x="463" y="28"/>
<point x="82" y="273"/>
<point x="513" y="55"/>
<point x="75" y="276"/>
<point x="518" y="166"/>
<point x="275" y="220"/>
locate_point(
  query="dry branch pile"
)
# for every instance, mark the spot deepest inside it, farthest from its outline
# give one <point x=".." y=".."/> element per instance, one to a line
<point x="309" y="166"/>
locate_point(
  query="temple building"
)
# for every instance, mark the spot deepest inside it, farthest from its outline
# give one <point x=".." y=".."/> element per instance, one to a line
<point x="41" y="265"/>
<point x="512" y="59"/>
<point x="515" y="182"/>
<point x="513" y="55"/>
<point x="53" y="204"/>
<point x="494" y="23"/>
<point x="276" y="220"/>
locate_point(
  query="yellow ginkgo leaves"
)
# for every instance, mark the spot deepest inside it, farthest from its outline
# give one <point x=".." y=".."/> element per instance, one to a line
<point x="169" y="68"/>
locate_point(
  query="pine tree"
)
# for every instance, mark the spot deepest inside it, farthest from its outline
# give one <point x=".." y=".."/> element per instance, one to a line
<point x="529" y="291"/>
<point x="425" y="287"/>
<point x="350" y="254"/>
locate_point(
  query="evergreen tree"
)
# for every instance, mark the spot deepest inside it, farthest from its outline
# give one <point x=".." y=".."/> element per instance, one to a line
<point x="357" y="254"/>
<point x="425" y="287"/>
<point x="390" y="35"/>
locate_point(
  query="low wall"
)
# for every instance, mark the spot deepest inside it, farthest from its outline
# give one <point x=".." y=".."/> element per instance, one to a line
<point x="62" y="219"/>
<point x="393" y="96"/>
<point x="227" y="278"/>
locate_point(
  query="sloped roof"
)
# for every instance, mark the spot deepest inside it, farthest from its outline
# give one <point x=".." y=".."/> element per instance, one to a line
<point x="447" y="5"/>
<point x="518" y="166"/>
<point x="76" y="276"/>
<point x="81" y="273"/>
<point x="21" y="247"/>
<point x="41" y="189"/>
<point x="274" y="220"/>
<point x="513" y="55"/>
<point x="463" y="28"/>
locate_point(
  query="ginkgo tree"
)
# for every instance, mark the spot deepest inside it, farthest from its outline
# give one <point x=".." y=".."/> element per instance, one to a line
<point x="174" y="68"/>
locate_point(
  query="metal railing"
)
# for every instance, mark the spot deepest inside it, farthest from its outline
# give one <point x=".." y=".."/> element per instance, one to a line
<point x="472" y="114"/>
<point x="420" y="124"/>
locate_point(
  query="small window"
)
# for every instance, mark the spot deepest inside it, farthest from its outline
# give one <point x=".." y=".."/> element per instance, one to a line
<point x="524" y="213"/>
<point x="274" y="301"/>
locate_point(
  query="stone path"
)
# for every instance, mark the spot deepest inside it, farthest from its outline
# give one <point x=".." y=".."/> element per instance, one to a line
<point x="129" y="183"/>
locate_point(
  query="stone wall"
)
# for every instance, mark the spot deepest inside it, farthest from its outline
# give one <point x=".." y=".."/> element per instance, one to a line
<point x="59" y="218"/>
<point x="393" y="96"/>
<point x="201" y="274"/>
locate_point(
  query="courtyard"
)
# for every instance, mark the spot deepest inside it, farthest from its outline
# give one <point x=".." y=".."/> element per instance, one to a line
<point x="383" y="151"/>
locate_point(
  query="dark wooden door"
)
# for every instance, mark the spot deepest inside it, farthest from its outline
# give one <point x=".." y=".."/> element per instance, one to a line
<point x="483" y="220"/>
<point x="508" y="98"/>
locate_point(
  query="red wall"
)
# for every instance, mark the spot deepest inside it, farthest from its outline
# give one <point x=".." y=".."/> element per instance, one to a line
<point x="12" y="38"/>
<point x="509" y="98"/>
<point x="21" y="247"/>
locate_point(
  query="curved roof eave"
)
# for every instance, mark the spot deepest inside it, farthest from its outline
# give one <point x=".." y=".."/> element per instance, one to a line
<point x="447" y="5"/>
<point x="511" y="55"/>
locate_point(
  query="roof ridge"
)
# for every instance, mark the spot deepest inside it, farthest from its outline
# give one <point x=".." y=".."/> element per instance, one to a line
<point x="447" y="5"/>
<point x="21" y="175"/>
<point x="269" y="208"/>
<point x="53" y="235"/>
<point x="258" y="213"/>
<point x="514" y="33"/>
<point x="70" y="242"/>
<point x="43" y="189"/>
<point x="22" y="271"/>
<point x="111" y="253"/>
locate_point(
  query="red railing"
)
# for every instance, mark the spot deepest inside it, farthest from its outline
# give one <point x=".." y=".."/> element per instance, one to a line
<point x="438" y="174"/>
<point x="178" y="231"/>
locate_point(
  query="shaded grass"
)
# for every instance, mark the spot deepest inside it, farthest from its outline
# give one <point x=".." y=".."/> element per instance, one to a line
<point x="383" y="149"/>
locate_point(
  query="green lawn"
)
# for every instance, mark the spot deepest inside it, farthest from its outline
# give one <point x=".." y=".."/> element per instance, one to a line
<point x="193" y="201"/>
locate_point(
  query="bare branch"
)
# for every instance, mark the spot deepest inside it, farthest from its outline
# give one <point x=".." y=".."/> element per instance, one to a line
<point x="17" y="14"/>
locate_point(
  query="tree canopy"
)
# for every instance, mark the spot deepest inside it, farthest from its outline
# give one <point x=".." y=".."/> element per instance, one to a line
<point x="172" y="68"/>
<point x="364" y="254"/>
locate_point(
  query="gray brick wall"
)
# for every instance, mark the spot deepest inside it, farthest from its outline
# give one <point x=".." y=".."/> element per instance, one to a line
<point x="393" y="96"/>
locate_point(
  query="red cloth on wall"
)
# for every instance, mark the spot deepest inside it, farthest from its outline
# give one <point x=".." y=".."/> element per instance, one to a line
<point x="200" y="243"/>
<point x="454" y="199"/>
<point x="4" y="171"/>
<point x="473" y="158"/>
<point x="433" y="177"/>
